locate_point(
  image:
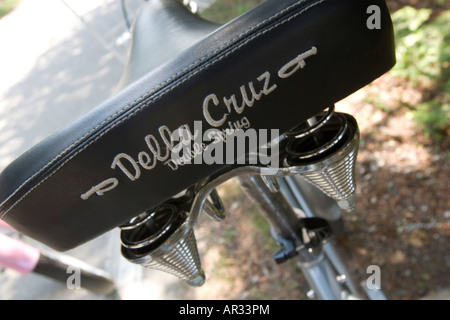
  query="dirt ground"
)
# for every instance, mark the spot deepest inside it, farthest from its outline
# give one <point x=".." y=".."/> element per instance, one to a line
<point x="402" y="221"/>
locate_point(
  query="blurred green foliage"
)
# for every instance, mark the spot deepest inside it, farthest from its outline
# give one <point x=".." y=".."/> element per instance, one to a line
<point x="6" y="6"/>
<point x="423" y="58"/>
<point x="225" y="10"/>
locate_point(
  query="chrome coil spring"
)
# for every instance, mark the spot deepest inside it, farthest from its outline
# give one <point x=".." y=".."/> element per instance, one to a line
<point x="162" y="240"/>
<point x="317" y="137"/>
<point x="325" y="149"/>
<point x="147" y="231"/>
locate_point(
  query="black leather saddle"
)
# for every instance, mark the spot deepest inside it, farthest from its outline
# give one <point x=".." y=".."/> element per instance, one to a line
<point x="277" y="65"/>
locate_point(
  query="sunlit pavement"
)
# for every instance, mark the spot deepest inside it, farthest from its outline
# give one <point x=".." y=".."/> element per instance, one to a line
<point x="56" y="65"/>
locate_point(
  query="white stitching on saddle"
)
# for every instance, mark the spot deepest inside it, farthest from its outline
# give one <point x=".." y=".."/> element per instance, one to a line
<point x="193" y="65"/>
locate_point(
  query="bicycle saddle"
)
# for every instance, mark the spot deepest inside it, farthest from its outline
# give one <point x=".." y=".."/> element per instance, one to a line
<point x="277" y="65"/>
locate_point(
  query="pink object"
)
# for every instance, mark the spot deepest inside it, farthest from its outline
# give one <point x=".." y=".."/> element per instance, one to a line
<point x="4" y="225"/>
<point x="17" y="255"/>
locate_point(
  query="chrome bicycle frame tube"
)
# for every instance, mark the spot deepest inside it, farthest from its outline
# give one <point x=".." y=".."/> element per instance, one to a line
<point x="317" y="269"/>
<point x="317" y="204"/>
